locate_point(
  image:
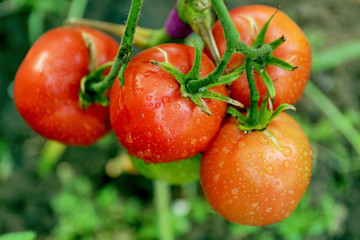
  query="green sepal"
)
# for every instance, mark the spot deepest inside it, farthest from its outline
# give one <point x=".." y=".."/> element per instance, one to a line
<point x="179" y="76"/>
<point x="235" y="113"/>
<point x="267" y="80"/>
<point x="276" y="43"/>
<point x="195" y="69"/>
<point x="279" y="109"/>
<point x="260" y="39"/>
<point x="281" y="63"/>
<point x="197" y="101"/>
<point x="214" y="95"/>
<point x="91" y="88"/>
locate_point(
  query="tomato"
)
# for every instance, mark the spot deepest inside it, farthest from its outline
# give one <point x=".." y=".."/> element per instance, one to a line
<point x="289" y="85"/>
<point x="250" y="180"/>
<point x="150" y="117"/>
<point x="176" y="173"/>
<point x="46" y="90"/>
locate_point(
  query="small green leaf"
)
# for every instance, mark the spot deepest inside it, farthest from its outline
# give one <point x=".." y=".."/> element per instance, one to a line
<point x="214" y="95"/>
<point x="267" y="80"/>
<point x="260" y="39"/>
<point x="195" y="70"/>
<point x="281" y="63"/>
<point x="276" y="43"/>
<point x="197" y="101"/>
<point x="281" y="108"/>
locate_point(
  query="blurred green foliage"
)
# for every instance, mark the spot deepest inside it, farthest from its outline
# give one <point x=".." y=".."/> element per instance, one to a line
<point x="66" y="194"/>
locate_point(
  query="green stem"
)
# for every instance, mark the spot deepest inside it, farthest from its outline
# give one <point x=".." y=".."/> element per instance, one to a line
<point x="49" y="156"/>
<point x="35" y="25"/>
<point x="162" y="202"/>
<point x="233" y="44"/>
<point x="77" y="8"/>
<point x="125" y="49"/>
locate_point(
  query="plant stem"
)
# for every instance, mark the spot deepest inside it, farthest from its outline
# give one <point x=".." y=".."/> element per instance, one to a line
<point x="162" y="202"/>
<point x="49" y="156"/>
<point x="254" y="95"/>
<point x="125" y="49"/>
<point x="77" y="8"/>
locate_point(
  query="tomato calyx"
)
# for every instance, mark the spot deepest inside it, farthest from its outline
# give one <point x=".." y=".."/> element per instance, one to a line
<point x="193" y="75"/>
<point x="265" y="114"/>
<point x="91" y="89"/>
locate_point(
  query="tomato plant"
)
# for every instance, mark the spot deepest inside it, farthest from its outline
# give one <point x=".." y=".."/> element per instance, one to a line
<point x="47" y="83"/>
<point x="151" y="118"/>
<point x="248" y="21"/>
<point x="257" y="178"/>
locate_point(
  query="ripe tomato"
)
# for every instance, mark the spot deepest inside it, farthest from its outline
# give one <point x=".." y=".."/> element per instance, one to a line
<point x="296" y="50"/>
<point x="249" y="180"/>
<point x="176" y="173"/>
<point x="46" y="90"/>
<point x="150" y="117"/>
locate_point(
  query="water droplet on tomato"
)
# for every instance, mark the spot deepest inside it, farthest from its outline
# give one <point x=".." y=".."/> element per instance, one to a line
<point x="149" y="97"/>
<point x="235" y="191"/>
<point x="241" y="145"/>
<point x="286" y="164"/>
<point x="291" y="192"/>
<point x="255" y="204"/>
<point x="177" y="106"/>
<point x="262" y="140"/>
<point x="248" y="155"/>
<point x="246" y="173"/>
<point x="129" y="138"/>
<point x="172" y="131"/>
<point x="268" y="210"/>
<point x="166" y="101"/>
<point x="193" y="141"/>
<point x="216" y="177"/>
<point x="287" y="152"/>
<point x="269" y="169"/>
<point x="221" y="164"/>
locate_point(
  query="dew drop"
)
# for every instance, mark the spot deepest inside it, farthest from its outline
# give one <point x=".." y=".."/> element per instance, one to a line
<point x="157" y="105"/>
<point x="149" y="97"/>
<point x="129" y="138"/>
<point x="287" y="152"/>
<point x="177" y="106"/>
<point x="172" y="131"/>
<point x="286" y="164"/>
<point x="268" y="210"/>
<point x="216" y="177"/>
<point x="241" y="145"/>
<point x="248" y="155"/>
<point x="262" y="140"/>
<point x="235" y="191"/>
<point x="255" y="204"/>
<point x="221" y="164"/>
<point x="269" y="169"/>
<point x="193" y="141"/>
<point x="291" y="192"/>
<point x="246" y="173"/>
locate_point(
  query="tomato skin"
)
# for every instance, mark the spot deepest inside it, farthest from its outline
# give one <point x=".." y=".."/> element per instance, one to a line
<point x="296" y="50"/>
<point x="150" y="117"/>
<point x="248" y="180"/>
<point x="47" y="85"/>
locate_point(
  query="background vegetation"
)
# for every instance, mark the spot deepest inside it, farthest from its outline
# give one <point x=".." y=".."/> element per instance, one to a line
<point x="86" y="193"/>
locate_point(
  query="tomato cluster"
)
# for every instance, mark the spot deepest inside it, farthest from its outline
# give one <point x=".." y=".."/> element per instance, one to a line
<point x="253" y="177"/>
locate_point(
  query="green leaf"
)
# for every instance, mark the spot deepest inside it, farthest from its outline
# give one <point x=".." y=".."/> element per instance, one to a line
<point x="260" y="39"/>
<point x="267" y="80"/>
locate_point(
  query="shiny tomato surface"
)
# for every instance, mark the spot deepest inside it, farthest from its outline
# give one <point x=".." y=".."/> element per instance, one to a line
<point x="150" y="117"/>
<point x="47" y="83"/>
<point x="257" y="178"/>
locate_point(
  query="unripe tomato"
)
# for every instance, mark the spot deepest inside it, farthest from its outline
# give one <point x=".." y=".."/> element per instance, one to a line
<point x="254" y="179"/>
<point x="47" y="83"/>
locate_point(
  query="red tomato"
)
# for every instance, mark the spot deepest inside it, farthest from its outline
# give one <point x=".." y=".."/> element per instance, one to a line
<point x="46" y="90"/>
<point x="296" y="50"/>
<point x="249" y="180"/>
<point x="150" y="117"/>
